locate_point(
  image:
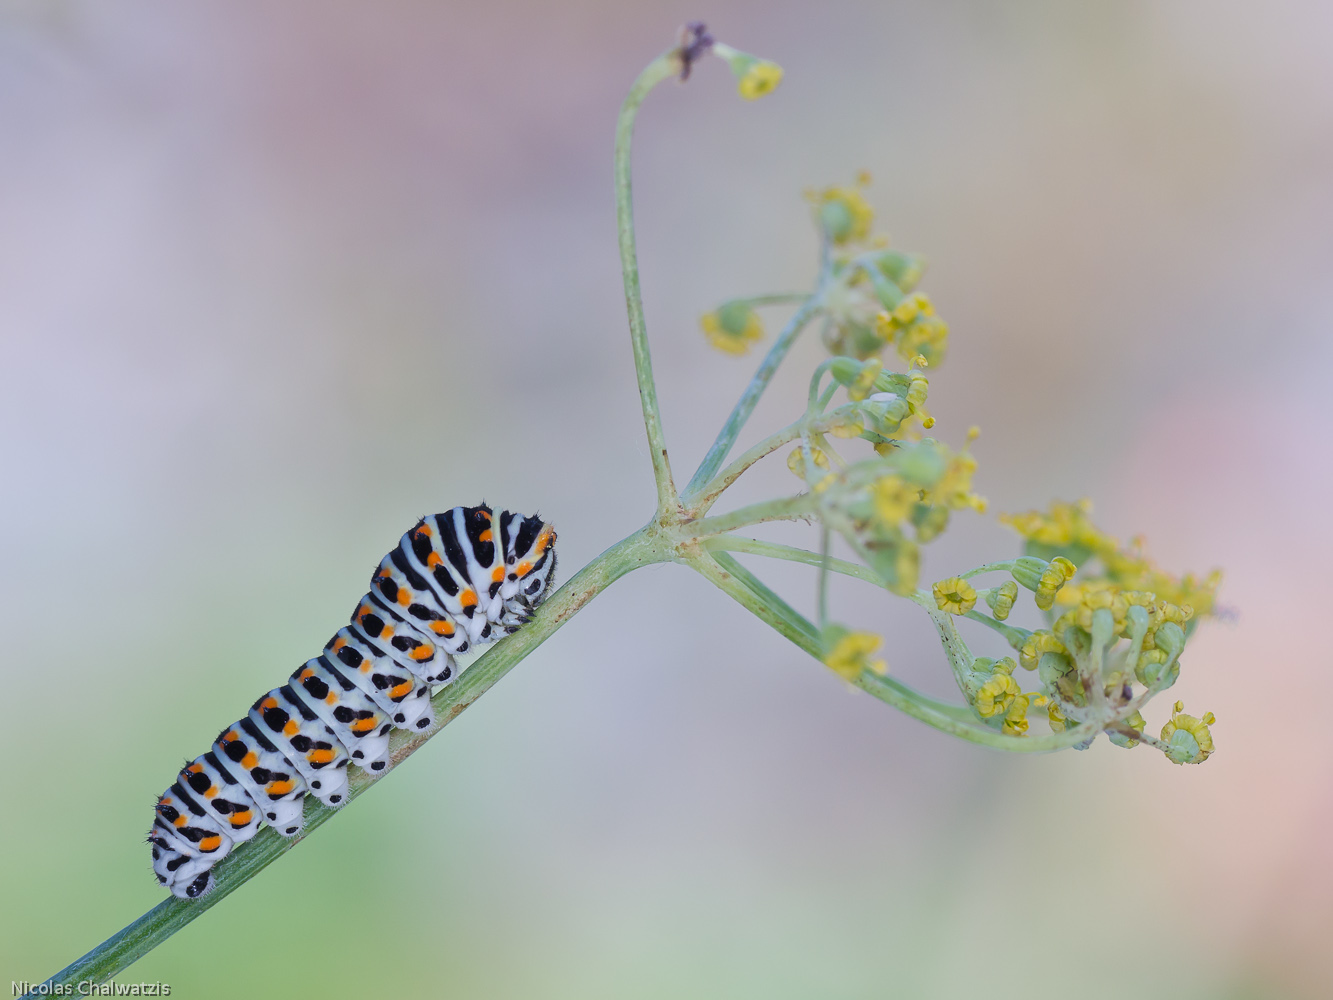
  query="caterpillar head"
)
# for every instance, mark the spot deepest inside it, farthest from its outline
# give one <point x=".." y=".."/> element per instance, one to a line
<point x="529" y="544"/>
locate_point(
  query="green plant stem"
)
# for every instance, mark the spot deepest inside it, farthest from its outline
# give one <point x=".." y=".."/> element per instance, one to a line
<point x="776" y="550"/>
<point x="787" y="509"/>
<point x="777" y="299"/>
<point x="664" y="66"/>
<point x="717" y="454"/>
<point x="113" y="955"/>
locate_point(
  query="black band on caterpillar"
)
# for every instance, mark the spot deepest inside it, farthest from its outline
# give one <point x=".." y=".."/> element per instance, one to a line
<point x="456" y="580"/>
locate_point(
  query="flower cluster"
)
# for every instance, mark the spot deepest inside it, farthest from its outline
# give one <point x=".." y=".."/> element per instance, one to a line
<point x="1115" y="624"/>
<point x="1109" y="645"/>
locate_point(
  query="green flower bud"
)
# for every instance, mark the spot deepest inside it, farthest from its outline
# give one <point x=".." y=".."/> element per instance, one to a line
<point x="922" y="464"/>
<point x="1027" y="570"/>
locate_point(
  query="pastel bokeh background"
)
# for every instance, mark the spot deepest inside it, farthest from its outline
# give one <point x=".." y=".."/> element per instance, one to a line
<point x="275" y="279"/>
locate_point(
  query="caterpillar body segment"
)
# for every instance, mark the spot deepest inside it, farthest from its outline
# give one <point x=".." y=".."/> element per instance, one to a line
<point x="455" y="580"/>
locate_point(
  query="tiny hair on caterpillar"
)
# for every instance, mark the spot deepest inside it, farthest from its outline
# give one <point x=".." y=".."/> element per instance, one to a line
<point x="456" y="580"/>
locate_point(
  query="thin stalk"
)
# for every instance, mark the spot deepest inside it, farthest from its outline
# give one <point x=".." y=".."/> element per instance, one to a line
<point x="664" y="66"/>
<point x="134" y="941"/>
<point x="775" y="550"/>
<point x="788" y="509"/>
<point x="750" y="397"/>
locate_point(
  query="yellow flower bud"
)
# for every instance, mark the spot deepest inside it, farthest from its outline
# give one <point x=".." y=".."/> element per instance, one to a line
<point x="1000" y="599"/>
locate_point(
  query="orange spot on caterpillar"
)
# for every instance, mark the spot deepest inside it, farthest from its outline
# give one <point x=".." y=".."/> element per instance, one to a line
<point x="401" y="690"/>
<point x="339" y="643"/>
<point x="364" y="725"/>
<point x="485" y="536"/>
<point x="249" y="761"/>
<point x="210" y="843"/>
<point x="291" y="729"/>
<point x="279" y="787"/>
<point x="523" y="568"/>
<point x="320" y="756"/>
<point x="442" y="627"/>
<point x="269" y="703"/>
<point x="212" y="791"/>
<point x="330" y="699"/>
<point x="433" y="560"/>
<point x="178" y="821"/>
<point x="497" y="574"/>
<point x="467" y="598"/>
<point x="241" y="818"/>
<point x="422" y="652"/>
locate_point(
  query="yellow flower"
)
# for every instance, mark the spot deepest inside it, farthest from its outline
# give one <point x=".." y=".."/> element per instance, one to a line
<point x="1016" y="719"/>
<point x="844" y="214"/>
<point x="850" y="655"/>
<point x="732" y="327"/>
<point x="893" y="499"/>
<point x="997" y="695"/>
<point x="1188" y="740"/>
<point x="954" y="595"/>
<point x="761" y="78"/>
<point x="755" y="77"/>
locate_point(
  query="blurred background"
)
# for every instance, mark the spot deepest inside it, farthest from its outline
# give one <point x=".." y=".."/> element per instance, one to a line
<point x="277" y="279"/>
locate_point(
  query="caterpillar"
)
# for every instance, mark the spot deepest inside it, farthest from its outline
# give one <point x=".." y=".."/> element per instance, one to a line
<point x="456" y="580"/>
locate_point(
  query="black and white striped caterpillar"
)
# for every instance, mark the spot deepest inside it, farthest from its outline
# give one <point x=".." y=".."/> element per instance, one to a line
<point x="446" y="587"/>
